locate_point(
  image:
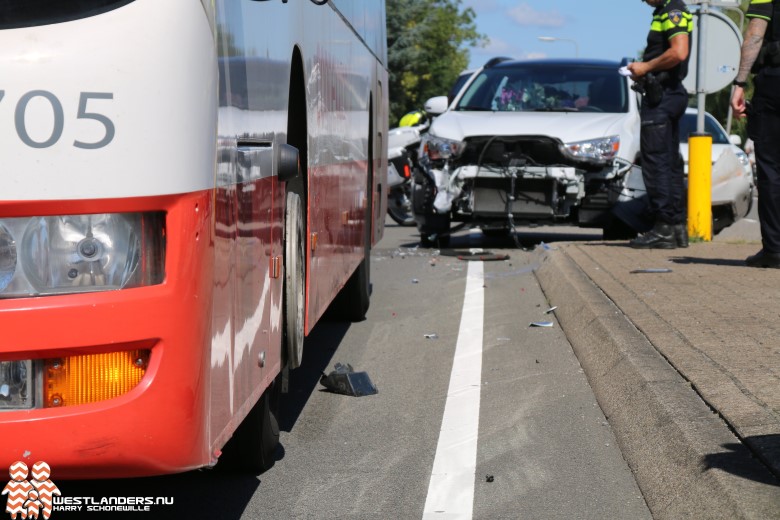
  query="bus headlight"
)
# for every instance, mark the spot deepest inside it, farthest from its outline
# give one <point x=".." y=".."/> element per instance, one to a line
<point x="7" y="257"/>
<point x="17" y="384"/>
<point x="81" y="253"/>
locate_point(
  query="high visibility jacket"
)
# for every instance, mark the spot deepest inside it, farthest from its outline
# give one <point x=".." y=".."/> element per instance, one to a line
<point x="412" y="118"/>
<point x="761" y="9"/>
<point x="770" y="52"/>
<point x="670" y="20"/>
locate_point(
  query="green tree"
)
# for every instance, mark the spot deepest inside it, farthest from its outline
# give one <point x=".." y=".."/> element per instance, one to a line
<point x="427" y="47"/>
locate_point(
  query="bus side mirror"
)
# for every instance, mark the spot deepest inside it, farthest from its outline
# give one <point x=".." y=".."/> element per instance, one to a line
<point x="287" y="162"/>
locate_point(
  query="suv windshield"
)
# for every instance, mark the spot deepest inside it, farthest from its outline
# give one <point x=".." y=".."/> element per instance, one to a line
<point x="547" y="87"/>
<point x="29" y="13"/>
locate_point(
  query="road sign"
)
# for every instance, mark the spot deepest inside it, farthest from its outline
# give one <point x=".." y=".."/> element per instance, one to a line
<point x="723" y="43"/>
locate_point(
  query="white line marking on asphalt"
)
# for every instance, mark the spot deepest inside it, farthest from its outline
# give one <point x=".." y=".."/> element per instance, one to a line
<point x="451" y="490"/>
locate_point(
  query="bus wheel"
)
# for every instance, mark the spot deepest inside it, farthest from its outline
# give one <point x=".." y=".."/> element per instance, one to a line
<point x="294" y="279"/>
<point x="355" y="296"/>
<point x="253" y="445"/>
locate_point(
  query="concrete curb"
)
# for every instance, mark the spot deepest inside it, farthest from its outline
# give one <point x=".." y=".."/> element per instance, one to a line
<point x="667" y="433"/>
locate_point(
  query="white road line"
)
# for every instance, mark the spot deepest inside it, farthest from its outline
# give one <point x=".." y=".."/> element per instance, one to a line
<point x="451" y="490"/>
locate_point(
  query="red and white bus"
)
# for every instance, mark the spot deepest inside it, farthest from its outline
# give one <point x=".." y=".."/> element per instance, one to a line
<point x="185" y="188"/>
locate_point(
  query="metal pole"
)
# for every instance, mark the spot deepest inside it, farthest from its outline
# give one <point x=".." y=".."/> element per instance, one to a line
<point x="700" y="147"/>
<point x="701" y="65"/>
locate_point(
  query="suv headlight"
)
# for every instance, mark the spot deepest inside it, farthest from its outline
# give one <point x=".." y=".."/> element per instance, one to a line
<point x="439" y="148"/>
<point x="602" y="148"/>
<point x="743" y="158"/>
<point x="80" y="253"/>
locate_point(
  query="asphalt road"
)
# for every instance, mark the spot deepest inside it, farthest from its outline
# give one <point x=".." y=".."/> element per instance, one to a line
<point x="528" y="433"/>
<point x="538" y="445"/>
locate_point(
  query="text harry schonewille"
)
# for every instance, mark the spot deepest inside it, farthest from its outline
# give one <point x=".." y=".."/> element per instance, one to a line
<point x="104" y="504"/>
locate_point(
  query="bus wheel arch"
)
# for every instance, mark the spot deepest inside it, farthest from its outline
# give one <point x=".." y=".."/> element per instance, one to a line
<point x="295" y="225"/>
<point x="252" y="448"/>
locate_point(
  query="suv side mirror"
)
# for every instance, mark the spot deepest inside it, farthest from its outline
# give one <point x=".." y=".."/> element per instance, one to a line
<point x="735" y="139"/>
<point x="436" y="106"/>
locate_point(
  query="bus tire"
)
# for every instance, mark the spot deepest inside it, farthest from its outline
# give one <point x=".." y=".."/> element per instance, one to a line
<point x="294" y="278"/>
<point x="351" y="303"/>
<point x="252" y="449"/>
<point x="356" y="294"/>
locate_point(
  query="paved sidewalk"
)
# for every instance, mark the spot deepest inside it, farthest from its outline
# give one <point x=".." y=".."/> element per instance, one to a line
<point x="686" y="365"/>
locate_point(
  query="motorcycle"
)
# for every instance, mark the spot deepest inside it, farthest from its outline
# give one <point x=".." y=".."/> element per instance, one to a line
<point x="403" y="145"/>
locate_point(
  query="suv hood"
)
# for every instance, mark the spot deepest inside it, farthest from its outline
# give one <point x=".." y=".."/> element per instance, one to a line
<point x="566" y="126"/>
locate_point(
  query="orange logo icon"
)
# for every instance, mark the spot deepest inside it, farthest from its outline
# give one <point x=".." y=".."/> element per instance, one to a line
<point x="30" y="499"/>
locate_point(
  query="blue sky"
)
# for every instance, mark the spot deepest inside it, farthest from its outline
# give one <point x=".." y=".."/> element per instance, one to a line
<point x="604" y="29"/>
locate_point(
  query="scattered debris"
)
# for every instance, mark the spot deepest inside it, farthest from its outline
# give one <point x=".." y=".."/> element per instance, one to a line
<point x="548" y="311"/>
<point x="652" y="270"/>
<point x="344" y="380"/>
<point x="489" y="478"/>
<point x="415" y="280"/>
<point x="503" y="339"/>
<point x="541" y="324"/>
<point x="432" y="336"/>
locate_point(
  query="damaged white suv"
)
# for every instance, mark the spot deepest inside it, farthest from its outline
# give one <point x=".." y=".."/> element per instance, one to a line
<point x="543" y="141"/>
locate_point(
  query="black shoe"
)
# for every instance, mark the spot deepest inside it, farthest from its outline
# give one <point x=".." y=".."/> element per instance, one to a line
<point x="662" y="236"/>
<point x="681" y="234"/>
<point x="764" y="259"/>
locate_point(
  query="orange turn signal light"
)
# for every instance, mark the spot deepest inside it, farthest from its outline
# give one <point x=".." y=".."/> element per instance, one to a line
<point x="95" y="377"/>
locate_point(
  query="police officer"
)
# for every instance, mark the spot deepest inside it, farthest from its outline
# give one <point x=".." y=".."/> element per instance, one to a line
<point x="413" y="118"/>
<point x="663" y="67"/>
<point x="761" y="54"/>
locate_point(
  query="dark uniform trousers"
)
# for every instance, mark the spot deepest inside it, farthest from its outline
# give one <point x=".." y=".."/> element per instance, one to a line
<point x="764" y="129"/>
<point x="662" y="167"/>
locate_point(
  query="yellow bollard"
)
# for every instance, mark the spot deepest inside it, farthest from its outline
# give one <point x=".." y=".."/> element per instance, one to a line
<point x="700" y="186"/>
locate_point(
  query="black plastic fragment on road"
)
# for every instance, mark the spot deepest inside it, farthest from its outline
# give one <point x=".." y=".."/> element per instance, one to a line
<point x="652" y="270"/>
<point x="474" y="254"/>
<point x="344" y="380"/>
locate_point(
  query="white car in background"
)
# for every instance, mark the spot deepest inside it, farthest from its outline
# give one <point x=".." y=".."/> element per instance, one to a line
<point x="732" y="174"/>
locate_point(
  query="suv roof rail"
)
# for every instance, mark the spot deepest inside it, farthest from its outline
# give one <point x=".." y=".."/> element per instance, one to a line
<point x="495" y="61"/>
